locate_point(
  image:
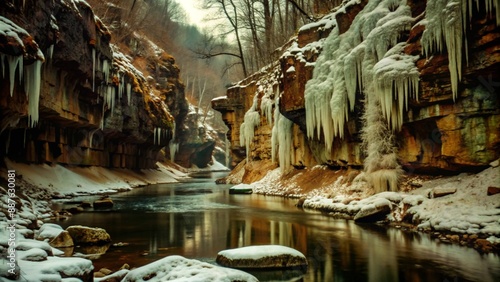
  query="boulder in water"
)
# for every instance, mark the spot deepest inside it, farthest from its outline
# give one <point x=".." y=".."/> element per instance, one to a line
<point x="266" y="256"/>
<point x="104" y="203"/>
<point x="88" y="235"/>
<point x="374" y="212"/>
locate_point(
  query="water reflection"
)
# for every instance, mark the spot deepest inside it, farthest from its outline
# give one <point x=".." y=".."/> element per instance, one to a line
<point x="204" y="219"/>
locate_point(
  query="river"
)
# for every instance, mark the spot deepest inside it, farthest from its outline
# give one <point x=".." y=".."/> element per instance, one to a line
<point x="197" y="219"/>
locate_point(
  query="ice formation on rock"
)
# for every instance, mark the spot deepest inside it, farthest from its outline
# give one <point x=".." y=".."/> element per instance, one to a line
<point x="173" y="145"/>
<point x="282" y="140"/>
<point x="446" y="26"/>
<point x="32" y="80"/>
<point x="251" y="120"/>
<point x="368" y="59"/>
<point x="395" y="81"/>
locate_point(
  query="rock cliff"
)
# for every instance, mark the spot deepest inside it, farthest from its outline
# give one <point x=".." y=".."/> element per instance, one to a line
<point x="69" y="96"/>
<point x="451" y="121"/>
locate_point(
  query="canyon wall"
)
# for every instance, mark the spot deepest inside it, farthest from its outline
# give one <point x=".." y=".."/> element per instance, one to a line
<point x="69" y="96"/>
<point x="444" y="128"/>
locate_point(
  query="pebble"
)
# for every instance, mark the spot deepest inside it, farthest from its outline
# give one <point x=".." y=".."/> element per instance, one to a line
<point x="105" y="271"/>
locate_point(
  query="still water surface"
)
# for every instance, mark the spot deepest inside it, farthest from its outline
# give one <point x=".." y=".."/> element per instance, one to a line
<point x="197" y="219"/>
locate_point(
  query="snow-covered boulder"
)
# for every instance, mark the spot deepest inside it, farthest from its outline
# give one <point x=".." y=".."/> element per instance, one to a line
<point x="88" y="235"/>
<point x="241" y="189"/>
<point x="55" y="235"/>
<point x="266" y="256"/>
<point x="34" y="254"/>
<point x="177" y="268"/>
<point x="374" y="211"/>
<point x="55" y="269"/>
<point x="48" y="231"/>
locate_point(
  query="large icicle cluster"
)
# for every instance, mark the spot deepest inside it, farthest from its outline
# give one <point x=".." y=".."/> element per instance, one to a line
<point x="251" y="120"/>
<point x="395" y="80"/>
<point x="366" y="58"/>
<point x="267" y="102"/>
<point x="120" y="68"/>
<point x="346" y="65"/>
<point x="30" y="74"/>
<point x="446" y="26"/>
<point x="282" y="140"/>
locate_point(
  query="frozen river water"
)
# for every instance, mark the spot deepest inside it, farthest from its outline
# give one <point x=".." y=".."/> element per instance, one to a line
<point x="197" y="219"/>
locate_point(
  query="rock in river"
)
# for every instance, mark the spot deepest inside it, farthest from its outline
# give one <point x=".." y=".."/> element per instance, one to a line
<point x="104" y="203"/>
<point x="88" y="235"/>
<point x="177" y="268"/>
<point x="374" y="212"/>
<point x="266" y="256"/>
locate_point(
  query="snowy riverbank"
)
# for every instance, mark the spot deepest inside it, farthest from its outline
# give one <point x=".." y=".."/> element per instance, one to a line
<point x="463" y="214"/>
<point x="28" y="189"/>
<point x="65" y="181"/>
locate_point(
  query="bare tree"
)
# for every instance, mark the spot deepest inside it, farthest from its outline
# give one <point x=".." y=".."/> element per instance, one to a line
<point x="231" y="12"/>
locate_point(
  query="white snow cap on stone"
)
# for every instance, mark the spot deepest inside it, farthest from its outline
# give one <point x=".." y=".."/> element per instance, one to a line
<point x="178" y="268"/>
<point x="258" y="252"/>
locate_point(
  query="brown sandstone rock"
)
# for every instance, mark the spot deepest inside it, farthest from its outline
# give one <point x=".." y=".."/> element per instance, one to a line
<point x="88" y="235"/>
<point x="483" y="245"/>
<point x="63" y="240"/>
<point x="104" y="203"/>
<point x="442" y="191"/>
<point x="257" y="261"/>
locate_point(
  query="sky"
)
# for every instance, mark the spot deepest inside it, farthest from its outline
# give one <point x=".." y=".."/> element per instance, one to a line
<point x="194" y="13"/>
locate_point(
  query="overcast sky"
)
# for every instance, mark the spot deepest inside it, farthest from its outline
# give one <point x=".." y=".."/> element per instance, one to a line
<point x="194" y="13"/>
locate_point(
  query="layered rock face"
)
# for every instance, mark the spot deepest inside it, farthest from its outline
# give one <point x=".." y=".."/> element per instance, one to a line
<point x="443" y="129"/>
<point x="68" y="96"/>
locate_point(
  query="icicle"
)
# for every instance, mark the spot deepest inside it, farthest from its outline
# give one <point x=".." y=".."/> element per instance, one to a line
<point x="13" y="63"/>
<point x="281" y="140"/>
<point x="91" y="137"/>
<point x="251" y="120"/>
<point x="121" y="86"/>
<point x="20" y="69"/>
<point x="274" y="135"/>
<point x="99" y="63"/>
<point x="445" y="21"/>
<point x="105" y="70"/>
<point x="174" y="129"/>
<point x="50" y="52"/>
<point x="129" y="93"/>
<point x="267" y="103"/>
<point x="173" y="147"/>
<point x="396" y="79"/>
<point x="227" y="150"/>
<point x="32" y="88"/>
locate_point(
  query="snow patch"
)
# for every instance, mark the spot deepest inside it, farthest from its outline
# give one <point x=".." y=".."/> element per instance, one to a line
<point x="259" y="252"/>
<point x="182" y="269"/>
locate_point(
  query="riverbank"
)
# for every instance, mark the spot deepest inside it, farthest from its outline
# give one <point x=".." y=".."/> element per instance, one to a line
<point x="28" y="190"/>
<point x="63" y="181"/>
<point x="454" y="209"/>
